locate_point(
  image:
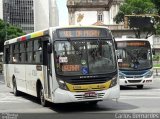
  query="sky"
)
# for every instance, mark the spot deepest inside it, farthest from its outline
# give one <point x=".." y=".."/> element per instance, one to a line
<point x="63" y="12"/>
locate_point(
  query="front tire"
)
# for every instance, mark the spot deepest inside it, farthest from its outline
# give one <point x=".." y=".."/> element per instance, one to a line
<point x="42" y="98"/>
<point x="15" y="91"/>
<point x="140" y="86"/>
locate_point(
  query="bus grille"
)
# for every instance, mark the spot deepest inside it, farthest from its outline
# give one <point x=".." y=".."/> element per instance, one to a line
<point x="87" y="81"/>
<point x="134" y="76"/>
<point x="82" y="97"/>
<point x="134" y="81"/>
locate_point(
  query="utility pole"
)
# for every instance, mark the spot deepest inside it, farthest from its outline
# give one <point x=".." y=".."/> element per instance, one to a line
<point x="7" y="21"/>
<point x="49" y="6"/>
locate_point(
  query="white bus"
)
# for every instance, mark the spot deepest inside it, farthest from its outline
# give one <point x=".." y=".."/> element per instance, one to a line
<point x="135" y="62"/>
<point x="63" y="64"/>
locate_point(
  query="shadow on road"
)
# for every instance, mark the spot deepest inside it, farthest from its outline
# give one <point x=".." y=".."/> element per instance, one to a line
<point x="135" y="88"/>
<point x="102" y="106"/>
<point x="28" y="97"/>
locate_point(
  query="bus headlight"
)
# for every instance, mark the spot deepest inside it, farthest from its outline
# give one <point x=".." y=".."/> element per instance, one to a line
<point x="113" y="81"/>
<point x="62" y="85"/>
<point x="148" y="74"/>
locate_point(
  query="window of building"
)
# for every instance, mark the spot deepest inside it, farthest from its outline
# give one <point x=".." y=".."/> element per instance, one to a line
<point x="100" y="16"/>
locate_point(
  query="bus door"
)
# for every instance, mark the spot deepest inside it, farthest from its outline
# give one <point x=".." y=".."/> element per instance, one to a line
<point x="47" y="69"/>
<point x="6" y="61"/>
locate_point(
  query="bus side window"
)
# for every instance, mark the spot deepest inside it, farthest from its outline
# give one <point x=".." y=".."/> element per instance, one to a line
<point x="29" y="47"/>
<point x="16" y="54"/>
<point x="11" y="53"/>
<point x="38" y="51"/>
<point x="7" y="55"/>
<point x="22" y="52"/>
<point x="13" y="57"/>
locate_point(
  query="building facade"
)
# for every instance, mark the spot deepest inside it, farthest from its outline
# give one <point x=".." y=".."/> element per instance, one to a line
<point x="45" y="14"/>
<point x="28" y="14"/>
<point x="1" y="10"/>
<point x="19" y="13"/>
<point x="97" y="12"/>
<point x="93" y="11"/>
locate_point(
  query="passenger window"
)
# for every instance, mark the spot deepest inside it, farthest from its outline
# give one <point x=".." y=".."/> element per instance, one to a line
<point x="37" y="53"/>
<point x="29" y="46"/>
<point x="16" y="48"/>
<point x="22" y="47"/>
<point x="29" y="57"/>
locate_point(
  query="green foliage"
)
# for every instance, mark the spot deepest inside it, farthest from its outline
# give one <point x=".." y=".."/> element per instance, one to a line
<point x="9" y="31"/>
<point x="157" y="4"/>
<point x="135" y="7"/>
<point x="156" y="58"/>
<point x="138" y="7"/>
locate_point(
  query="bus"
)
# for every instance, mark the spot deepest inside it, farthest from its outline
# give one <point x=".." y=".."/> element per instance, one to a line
<point x="135" y="62"/>
<point x="63" y="64"/>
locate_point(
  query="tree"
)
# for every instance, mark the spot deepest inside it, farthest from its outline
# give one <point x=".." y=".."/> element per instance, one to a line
<point x="8" y="31"/>
<point x="137" y="7"/>
<point x="157" y="4"/>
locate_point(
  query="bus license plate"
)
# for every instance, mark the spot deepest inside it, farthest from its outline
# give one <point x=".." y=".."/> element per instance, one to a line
<point x="90" y="94"/>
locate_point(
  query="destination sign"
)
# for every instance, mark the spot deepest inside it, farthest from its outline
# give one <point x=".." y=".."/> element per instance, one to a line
<point x="132" y="43"/>
<point x="81" y="32"/>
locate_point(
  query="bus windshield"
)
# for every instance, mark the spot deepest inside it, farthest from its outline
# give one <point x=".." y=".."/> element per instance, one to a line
<point x="84" y="57"/>
<point x="134" y="55"/>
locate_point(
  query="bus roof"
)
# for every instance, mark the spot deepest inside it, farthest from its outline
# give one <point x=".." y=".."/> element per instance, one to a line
<point x="45" y="32"/>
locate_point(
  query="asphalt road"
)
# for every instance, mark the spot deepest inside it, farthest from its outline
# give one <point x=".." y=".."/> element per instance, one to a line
<point x="132" y="100"/>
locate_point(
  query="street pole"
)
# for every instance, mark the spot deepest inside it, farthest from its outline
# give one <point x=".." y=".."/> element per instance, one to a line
<point x="6" y="36"/>
<point x="49" y="6"/>
<point x="6" y="30"/>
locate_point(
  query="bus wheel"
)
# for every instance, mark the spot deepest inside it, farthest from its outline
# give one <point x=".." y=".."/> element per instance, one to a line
<point x="15" y="91"/>
<point x="42" y="99"/>
<point x="140" y="86"/>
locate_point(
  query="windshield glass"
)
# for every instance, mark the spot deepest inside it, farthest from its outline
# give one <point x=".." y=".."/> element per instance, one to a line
<point x="134" y="55"/>
<point x="84" y="57"/>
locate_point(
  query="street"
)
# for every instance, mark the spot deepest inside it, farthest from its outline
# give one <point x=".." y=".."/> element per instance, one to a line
<point x="132" y="100"/>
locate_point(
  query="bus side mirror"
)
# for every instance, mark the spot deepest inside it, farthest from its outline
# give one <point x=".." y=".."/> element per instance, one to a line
<point x="49" y="48"/>
<point x="153" y="52"/>
<point x="115" y="43"/>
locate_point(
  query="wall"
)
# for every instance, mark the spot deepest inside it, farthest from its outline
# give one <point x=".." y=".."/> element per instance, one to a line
<point x="45" y="14"/>
<point x="90" y="17"/>
<point x="1" y="10"/>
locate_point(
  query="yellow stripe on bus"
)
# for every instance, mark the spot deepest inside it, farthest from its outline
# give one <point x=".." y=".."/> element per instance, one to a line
<point x="89" y="87"/>
<point x="34" y="35"/>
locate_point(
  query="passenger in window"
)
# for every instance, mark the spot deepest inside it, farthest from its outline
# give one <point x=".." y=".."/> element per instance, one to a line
<point x="14" y="60"/>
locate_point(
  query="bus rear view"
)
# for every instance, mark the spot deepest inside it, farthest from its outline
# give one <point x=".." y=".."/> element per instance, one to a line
<point x="135" y="62"/>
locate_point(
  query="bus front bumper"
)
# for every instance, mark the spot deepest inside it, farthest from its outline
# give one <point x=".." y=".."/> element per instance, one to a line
<point x="63" y="96"/>
<point x="136" y="81"/>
